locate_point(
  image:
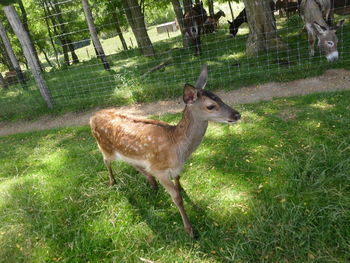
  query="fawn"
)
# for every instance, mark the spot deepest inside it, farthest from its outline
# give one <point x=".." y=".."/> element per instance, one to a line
<point x="157" y="149"/>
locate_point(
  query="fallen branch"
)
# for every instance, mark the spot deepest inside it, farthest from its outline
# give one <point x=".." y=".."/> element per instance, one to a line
<point x="158" y="67"/>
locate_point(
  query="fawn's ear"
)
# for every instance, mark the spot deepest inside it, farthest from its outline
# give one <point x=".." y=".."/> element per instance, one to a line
<point x="203" y="78"/>
<point x="190" y="94"/>
<point x="228" y="21"/>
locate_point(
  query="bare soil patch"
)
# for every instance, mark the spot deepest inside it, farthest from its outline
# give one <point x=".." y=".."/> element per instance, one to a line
<point x="331" y="80"/>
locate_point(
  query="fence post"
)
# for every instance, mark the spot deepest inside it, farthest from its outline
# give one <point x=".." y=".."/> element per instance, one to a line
<point x="28" y="51"/>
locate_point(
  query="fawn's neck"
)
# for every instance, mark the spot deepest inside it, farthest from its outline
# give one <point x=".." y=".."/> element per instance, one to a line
<point x="189" y="133"/>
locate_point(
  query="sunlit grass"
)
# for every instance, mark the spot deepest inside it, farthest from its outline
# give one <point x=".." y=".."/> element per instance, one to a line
<point x="272" y="188"/>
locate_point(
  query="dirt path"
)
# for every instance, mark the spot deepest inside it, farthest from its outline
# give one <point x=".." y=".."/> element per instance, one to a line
<point x="331" y="80"/>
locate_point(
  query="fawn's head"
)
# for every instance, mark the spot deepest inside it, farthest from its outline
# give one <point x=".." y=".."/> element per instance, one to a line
<point x="205" y="104"/>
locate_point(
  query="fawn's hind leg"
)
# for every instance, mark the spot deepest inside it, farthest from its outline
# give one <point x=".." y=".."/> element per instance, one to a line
<point x="148" y="176"/>
<point x="108" y="164"/>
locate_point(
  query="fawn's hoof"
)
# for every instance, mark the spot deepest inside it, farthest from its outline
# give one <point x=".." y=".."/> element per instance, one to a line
<point x="111" y="183"/>
<point x="192" y="233"/>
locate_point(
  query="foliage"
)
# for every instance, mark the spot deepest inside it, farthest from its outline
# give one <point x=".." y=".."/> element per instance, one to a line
<point x="8" y="2"/>
<point x="273" y="188"/>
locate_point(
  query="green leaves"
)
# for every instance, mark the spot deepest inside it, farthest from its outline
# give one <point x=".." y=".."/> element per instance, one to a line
<point x="8" y="2"/>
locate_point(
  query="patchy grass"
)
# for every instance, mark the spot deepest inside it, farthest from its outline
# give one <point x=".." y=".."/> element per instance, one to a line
<point x="273" y="188"/>
<point x="88" y="85"/>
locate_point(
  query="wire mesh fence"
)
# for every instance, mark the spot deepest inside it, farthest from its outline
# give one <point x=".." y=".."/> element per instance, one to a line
<point x="147" y="50"/>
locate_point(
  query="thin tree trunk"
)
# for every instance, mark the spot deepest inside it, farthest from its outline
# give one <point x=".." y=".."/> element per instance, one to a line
<point x="25" y="24"/>
<point x="187" y="5"/>
<point x="138" y="27"/>
<point x="68" y="41"/>
<point x="45" y="7"/>
<point x="179" y="17"/>
<point x="4" y="58"/>
<point x="263" y="34"/>
<point x="62" y="37"/>
<point x="118" y="29"/>
<point x="230" y="5"/>
<point x="11" y="55"/>
<point x="28" y="51"/>
<point x="46" y="58"/>
<point x="3" y="82"/>
<point x="211" y="7"/>
<point x="93" y="33"/>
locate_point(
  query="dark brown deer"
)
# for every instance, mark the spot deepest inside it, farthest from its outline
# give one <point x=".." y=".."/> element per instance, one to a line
<point x="157" y="149"/>
<point x="194" y="26"/>
<point x="212" y="22"/>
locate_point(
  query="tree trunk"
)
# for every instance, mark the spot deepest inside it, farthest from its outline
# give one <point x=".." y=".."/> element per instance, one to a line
<point x="46" y="57"/>
<point x="11" y="55"/>
<point x="211" y="7"/>
<point x="3" y="82"/>
<point x="25" y="24"/>
<point x="263" y="33"/>
<point x="93" y="33"/>
<point x="28" y="51"/>
<point x="4" y="58"/>
<point x="179" y="17"/>
<point x="187" y="5"/>
<point x="55" y="25"/>
<point x="45" y="7"/>
<point x="117" y="27"/>
<point x="137" y="23"/>
<point x="64" y="33"/>
<point x="230" y="5"/>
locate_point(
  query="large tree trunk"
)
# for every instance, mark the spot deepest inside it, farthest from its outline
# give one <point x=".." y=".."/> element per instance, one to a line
<point x="179" y="17"/>
<point x="3" y="82"/>
<point x="11" y="55"/>
<point x="93" y="33"/>
<point x="263" y="33"/>
<point x="28" y="51"/>
<point x="118" y="29"/>
<point x="25" y="24"/>
<point x="187" y="5"/>
<point x="137" y="22"/>
<point x="64" y="33"/>
<point x="45" y="7"/>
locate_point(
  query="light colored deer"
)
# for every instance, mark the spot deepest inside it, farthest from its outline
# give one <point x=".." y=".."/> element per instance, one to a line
<point x="315" y="13"/>
<point x="157" y="149"/>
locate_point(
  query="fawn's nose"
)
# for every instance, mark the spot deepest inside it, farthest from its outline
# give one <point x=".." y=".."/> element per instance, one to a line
<point x="235" y="116"/>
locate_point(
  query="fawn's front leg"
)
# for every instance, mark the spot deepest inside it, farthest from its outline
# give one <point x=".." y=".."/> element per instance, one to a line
<point x="175" y="193"/>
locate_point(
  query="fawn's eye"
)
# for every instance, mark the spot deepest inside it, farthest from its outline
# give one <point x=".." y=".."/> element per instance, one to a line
<point x="211" y="107"/>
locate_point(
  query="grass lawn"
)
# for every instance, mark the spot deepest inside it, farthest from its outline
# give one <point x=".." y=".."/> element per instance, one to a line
<point x="88" y="85"/>
<point x="273" y="188"/>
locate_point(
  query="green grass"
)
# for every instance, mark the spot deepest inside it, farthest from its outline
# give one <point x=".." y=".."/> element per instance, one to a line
<point x="273" y="188"/>
<point x="88" y="85"/>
